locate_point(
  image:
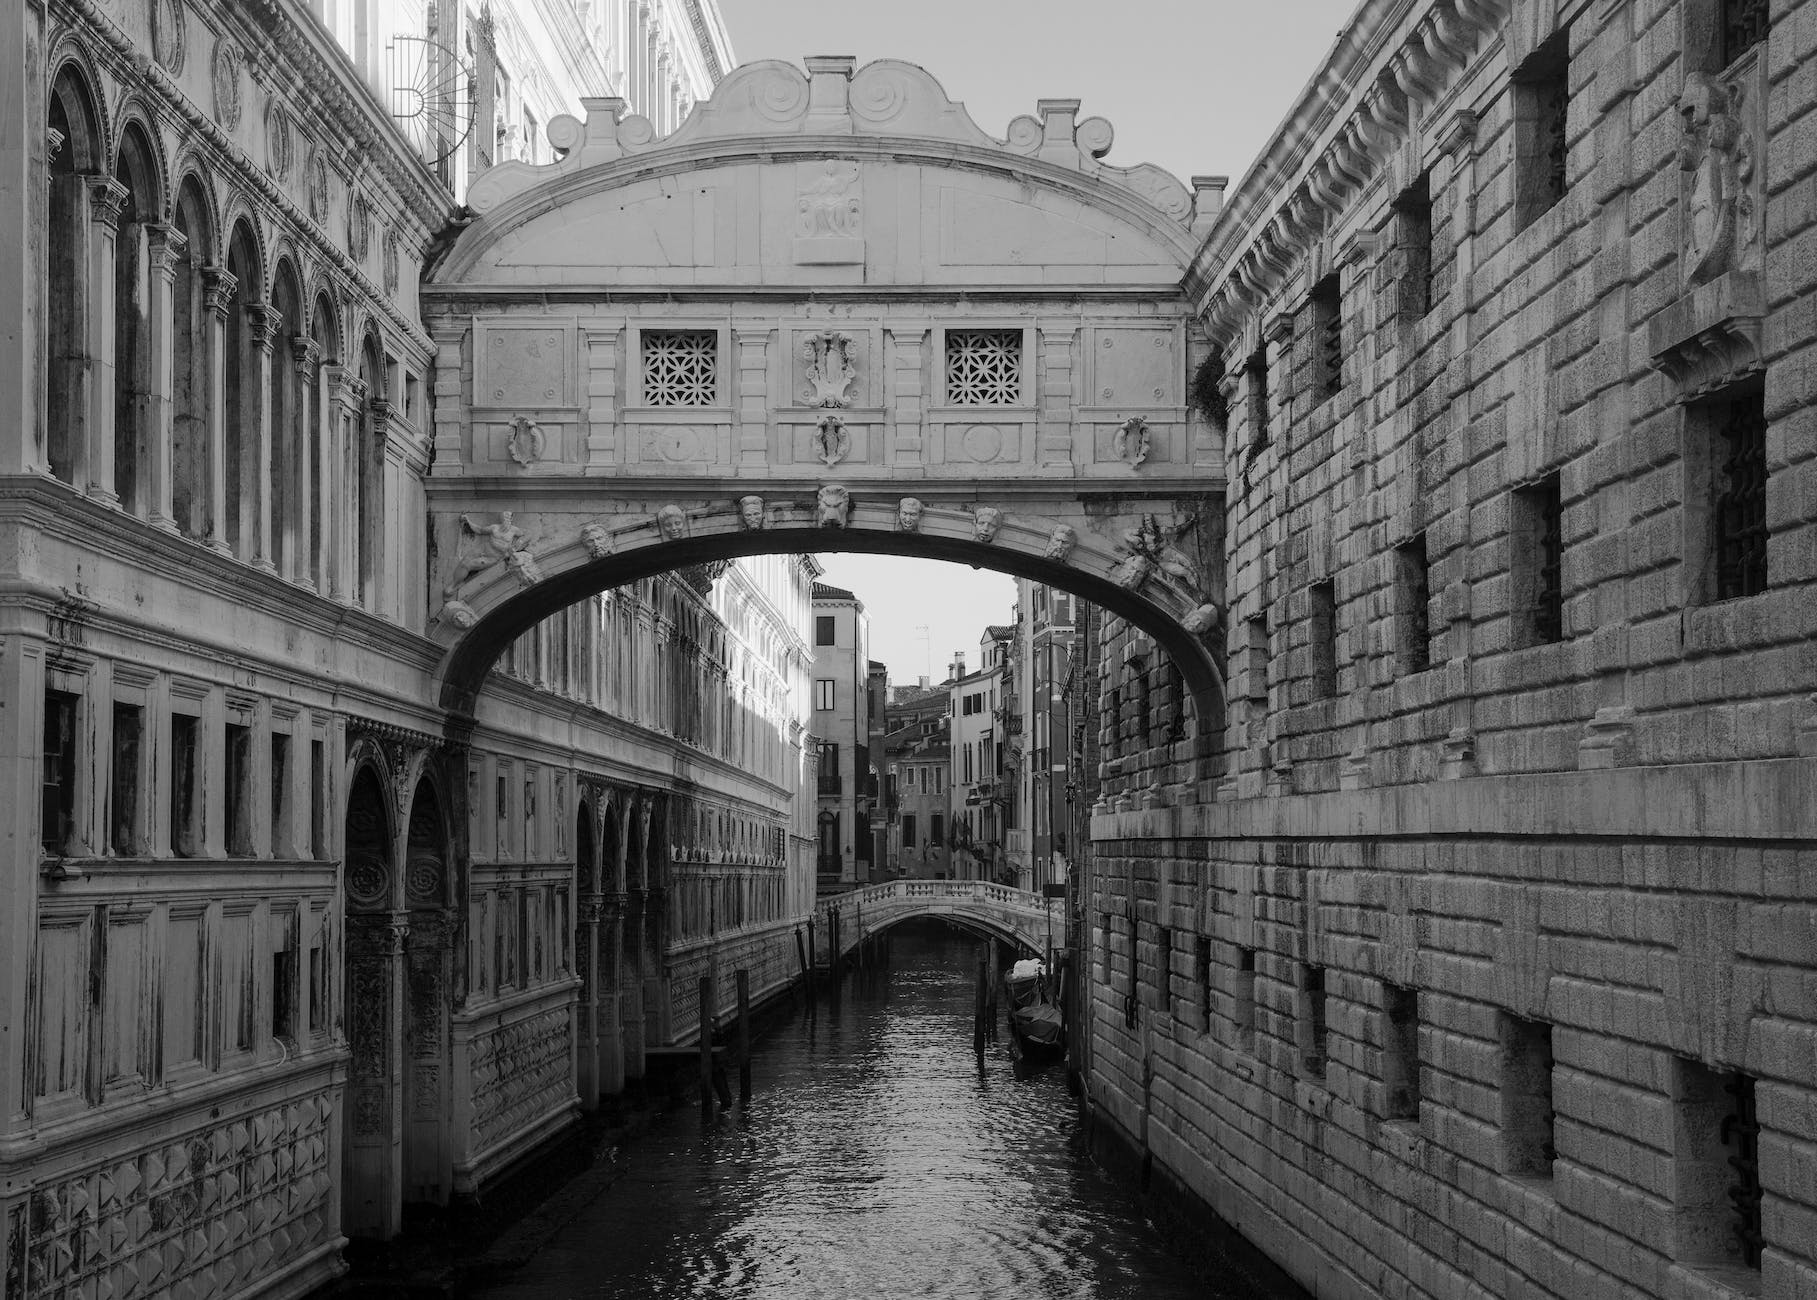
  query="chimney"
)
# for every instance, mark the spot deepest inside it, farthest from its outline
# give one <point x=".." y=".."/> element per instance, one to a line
<point x="923" y="681"/>
<point x="956" y="669"/>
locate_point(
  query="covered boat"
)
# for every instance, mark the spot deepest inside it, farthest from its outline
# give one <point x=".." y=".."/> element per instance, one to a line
<point x="1034" y="1016"/>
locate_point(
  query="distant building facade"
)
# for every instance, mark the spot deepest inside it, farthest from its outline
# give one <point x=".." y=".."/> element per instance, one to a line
<point x="841" y="728"/>
<point x="917" y="757"/>
<point x="1048" y="705"/>
<point x="981" y="808"/>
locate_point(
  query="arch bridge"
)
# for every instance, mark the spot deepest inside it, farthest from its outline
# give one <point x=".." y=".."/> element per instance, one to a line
<point x="828" y="312"/>
<point x="1020" y="917"/>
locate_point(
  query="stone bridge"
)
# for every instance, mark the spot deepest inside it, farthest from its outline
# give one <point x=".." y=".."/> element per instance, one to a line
<point x="1017" y="916"/>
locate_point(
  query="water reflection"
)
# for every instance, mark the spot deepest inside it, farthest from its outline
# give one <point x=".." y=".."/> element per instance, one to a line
<point x="877" y="1158"/>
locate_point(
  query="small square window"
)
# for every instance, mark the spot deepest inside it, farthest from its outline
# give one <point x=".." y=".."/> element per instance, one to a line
<point x="57" y="822"/>
<point x="1401" y="1052"/>
<point x="984" y="367"/>
<point x="1243" y="999"/>
<point x="1324" y="632"/>
<point x="681" y="367"/>
<point x="824" y="629"/>
<point x="185" y="817"/>
<point x="1745" y="24"/>
<point x="1255" y="373"/>
<point x="1716" y="1189"/>
<point x="128" y="769"/>
<point x="1314" y="1046"/>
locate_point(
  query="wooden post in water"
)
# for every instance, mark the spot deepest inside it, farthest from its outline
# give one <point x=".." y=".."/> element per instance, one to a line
<point x="706" y="1047"/>
<point x="990" y="989"/>
<point x="978" y="1008"/>
<point x="813" y="960"/>
<point x="801" y="955"/>
<point x="744" y="1035"/>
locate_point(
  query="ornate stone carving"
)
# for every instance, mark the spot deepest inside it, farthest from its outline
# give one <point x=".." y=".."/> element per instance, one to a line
<point x="224" y="76"/>
<point x="1721" y="229"/>
<point x="523" y="564"/>
<point x="672" y="523"/>
<point x="279" y="146"/>
<point x="359" y="227"/>
<point x="597" y="539"/>
<point x="1203" y="620"/>
<point x="1133" y="572"/>
<point x="833" y="439"/>
<point x="459" y="613"/>
<point x="315" y="186"/>
<point x="832" y="506"/>
<point x="390" y="258"/>
<point x="218" y="285"/>
<point x="521" y="1074"/>
<point x="830" y="369"/>
<point x="169" y="35"/>
<point x="751" y="513"/>
<point x="367" y="881"/>
<point x="908" y="515"/>
<point x="829" y="225"/>
<point x="423" y="878"/>
<point x="527" y="441"/>
<point x="1148" y="548"/>
<point x="1132" y="441"/>
<point x="483" y="545"/>
<point x="1060" y="542"/>
<point x="985" y="524"/>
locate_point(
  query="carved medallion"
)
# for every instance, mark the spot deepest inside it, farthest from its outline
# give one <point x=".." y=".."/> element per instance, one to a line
<point x="830" y="368"/>
<point x="169" y="35"/>
<point x="1132" y="442"/>
<point x="225" y="76"/>
<point x="366" y="881"/>
<point x="527" y="441"/>
<point x="829" y="213"/>
<point x="423" y="879"/>
<point x="359" y="227"/>
<point x="315" y="186"/>
<point x="390" y="261"/>
<point x="982" y="442"/>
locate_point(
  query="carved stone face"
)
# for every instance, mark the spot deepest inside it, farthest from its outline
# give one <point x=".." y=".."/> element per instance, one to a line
<point x="1133" y="572"/>
<point x="1060" y="542"/>
<point x="1202" y="620"/>
<point x="673" y="522"/>
<point x="750" y="512"/>
<point x="986" y="523"/>
<point x="908" y="515"/>
<point x="831" y="506"/>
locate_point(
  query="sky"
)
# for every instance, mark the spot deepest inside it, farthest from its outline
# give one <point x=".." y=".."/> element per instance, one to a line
<point x="1196" y="86"/>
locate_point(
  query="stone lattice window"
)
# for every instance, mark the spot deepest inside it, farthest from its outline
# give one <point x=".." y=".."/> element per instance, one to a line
<point x="1744" y="25"/>
<point x="984" y="367"/>
<point x="681" y="367"/>
<point x="1741" y="498"/>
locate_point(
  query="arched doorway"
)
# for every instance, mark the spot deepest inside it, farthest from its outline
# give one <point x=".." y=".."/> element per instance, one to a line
<point x="429" y="949"/>
<point x="369" y="1148"/>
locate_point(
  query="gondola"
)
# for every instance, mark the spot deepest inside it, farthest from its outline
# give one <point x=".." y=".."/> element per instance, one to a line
<point x="1035" y="1024"/>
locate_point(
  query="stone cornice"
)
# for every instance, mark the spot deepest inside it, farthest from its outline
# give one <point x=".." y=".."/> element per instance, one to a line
<point x="1348" y="122"/>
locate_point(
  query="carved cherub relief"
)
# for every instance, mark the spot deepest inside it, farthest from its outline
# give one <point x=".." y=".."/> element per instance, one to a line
<point x="483" y="545"/>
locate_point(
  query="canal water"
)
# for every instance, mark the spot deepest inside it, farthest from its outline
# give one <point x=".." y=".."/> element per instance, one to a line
<point x="878" y="1158"/>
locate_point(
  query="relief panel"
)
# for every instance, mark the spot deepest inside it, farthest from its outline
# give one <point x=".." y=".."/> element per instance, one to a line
<point x="184" y="993"/>
<point x="61" y="1050"/>
<point x="524" y="366"/>
<point x="520" y="1075"/>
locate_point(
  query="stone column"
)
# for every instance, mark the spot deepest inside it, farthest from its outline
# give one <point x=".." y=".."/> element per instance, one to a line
<point x="909" y="393"/>
<point x="218" y="286"/>
<point x="342" y="506"/>
<point x="262" y="323"/>
<point x="164" y="245"/>
<point x="587" y="1040"/>
<point x="1057" y="405"/>
<point x="94" y="468"/>
<point x="631" y="987"/>
<point x="612" y="1047"/>
<point x="306" y="357"/>
<point x="378" y="412"/>
<point x="372" y="1156"/>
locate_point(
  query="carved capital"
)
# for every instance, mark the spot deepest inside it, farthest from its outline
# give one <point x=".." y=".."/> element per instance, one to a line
<point x="264" y="321"/>
<point x="164" y="248"/>
<point x="378" y="411"/>
<point x="218" y="285"/>
<point x="346" y="388"/>
<point x="53" y="144"/>
<point x="306" y="355"/>
<point x="106" y="200"/>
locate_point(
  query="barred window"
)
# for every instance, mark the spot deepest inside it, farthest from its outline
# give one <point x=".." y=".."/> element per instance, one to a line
<point x="1414" y="579"/>
<point x="1413" y="248"/>
<point x="1741" y="497"/>
<point x="1328" y="337"/>
<point x="984" y="367"/>
<point x="1536" y="563"/>
<point x="1542" y="94"/>
<point x="1744" y="25"/>
<point x="681" y="367"/>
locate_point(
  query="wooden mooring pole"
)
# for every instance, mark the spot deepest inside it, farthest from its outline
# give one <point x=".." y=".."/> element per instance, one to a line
<point x="978" y="1008"/>
<point x="813" y="962"/>
<point x="744" y="1035"/>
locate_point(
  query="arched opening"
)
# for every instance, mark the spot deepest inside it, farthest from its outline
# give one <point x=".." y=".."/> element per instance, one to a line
<point x="74" y="156"/>
<point x="317" y="445"/>
<point x="369" y="1186"/>
<point x="427" y="1086"/>
<point x="366" y="478"/>
<point x="287" y="414"/>
<point x="135" y="386"/>
<point x="192" y="380"/>
<point x="241" y="417"/>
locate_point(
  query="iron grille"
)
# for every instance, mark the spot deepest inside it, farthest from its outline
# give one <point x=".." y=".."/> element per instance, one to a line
<point x="681" y="367"/>
<point x="1328" y="320"/>
<point x="983" y="367"/>
<point x="1741" y="505"/>
<point x="1552" y="98"/>
<point x="1414" y="229"/>
<point x="1548" y="602"/>
<point x="1418" y="595"/>
<point x="1744" y="25"/>
<point x="1741" y="1134"/>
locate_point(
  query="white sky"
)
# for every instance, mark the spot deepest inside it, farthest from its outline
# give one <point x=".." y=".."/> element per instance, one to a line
<point x="1196" y="86"/>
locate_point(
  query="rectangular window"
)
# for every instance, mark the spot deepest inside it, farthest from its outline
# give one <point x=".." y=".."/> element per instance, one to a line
<point x="936" y="830"/>
<point x="1414" y="590"/>
<point x="1536" y="563"/>
<point x="1255" y="371"/>
<point x="1542" y="94"/>
<point x="908" y="830"/>
<point x="1324" y="630"/>
<point x="318" y="800"/>
<point x="284" y="994"/>
<point x="1739" y="509"/>
<point x="1413" y="249"/>
<point x="1745" y="24"/>
<point x="185" y="842"/>
<point x="1312" y="1020"/>
<point x="823" y="693"/>
<point x="984" y="367"/>
<point x="57" y="803"/>
<point x="823" y="629"/>
<point x="280" y="795"/>
<point x="318" y="990"/>
<point x="1327" y="338"/>
<point x="828" y="778"/>
<point x="1715" y="1166"/>
<point x="238" y="803"/>
<point x="1526" y="1103"/>
<point x="128" y="772"/>
<point x="1243" y="999"/>
<point x="681" y="367"/>
<point x="1401" y="1052"/>
<point x="1201" y="964"/>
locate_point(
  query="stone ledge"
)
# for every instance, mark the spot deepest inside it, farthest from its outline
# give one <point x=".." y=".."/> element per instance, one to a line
<point x="1755" y="799"/>
<point x="1709" y="336"/>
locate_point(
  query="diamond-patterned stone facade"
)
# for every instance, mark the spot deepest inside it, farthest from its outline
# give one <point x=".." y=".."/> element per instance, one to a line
<point x="520" y="1075"/>
<point x="201" y="1216"/>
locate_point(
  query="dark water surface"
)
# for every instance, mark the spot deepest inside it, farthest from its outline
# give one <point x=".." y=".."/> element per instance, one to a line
<point x="877" y="1158"/>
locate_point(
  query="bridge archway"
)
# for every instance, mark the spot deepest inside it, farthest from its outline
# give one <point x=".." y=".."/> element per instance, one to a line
<point x="829" y="312"/>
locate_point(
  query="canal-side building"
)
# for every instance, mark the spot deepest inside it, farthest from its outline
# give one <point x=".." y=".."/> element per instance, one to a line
<point x="1482" y="964"/>
<point x="283" y="951"/>
<point x="979" y="797"/>
<point x="917" y="756"/>
<point x="841" y="729"/>
<point x="1042" y="712"/>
